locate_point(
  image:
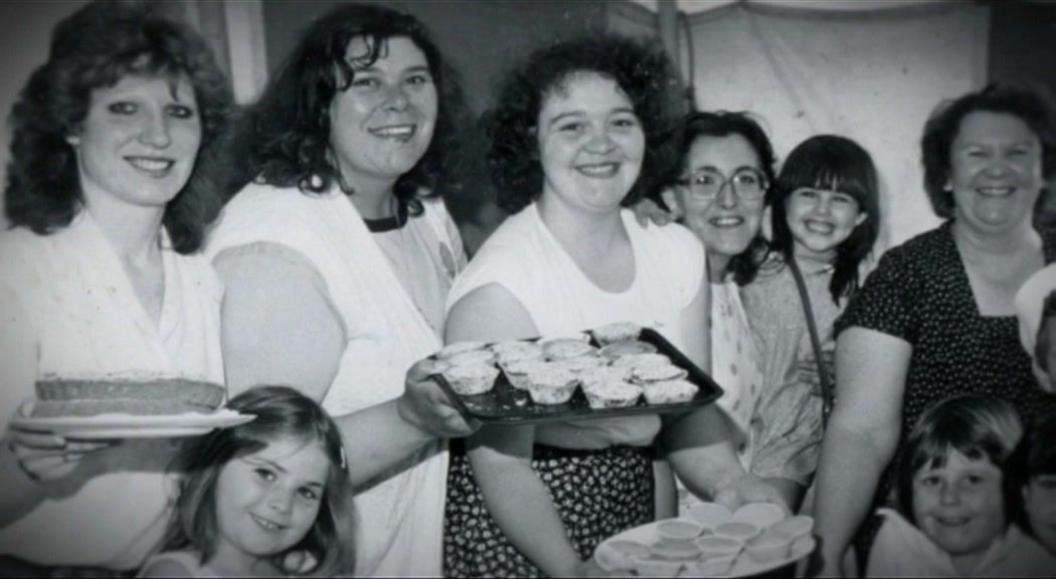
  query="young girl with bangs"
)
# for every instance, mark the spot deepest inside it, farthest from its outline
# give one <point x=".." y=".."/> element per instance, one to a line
<point x="270" y="497"/>
<point x="955" y="501"/>
<point x="825" y="219"/>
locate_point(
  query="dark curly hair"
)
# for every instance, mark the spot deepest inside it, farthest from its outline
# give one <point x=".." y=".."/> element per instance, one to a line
<point x="1031" y="105"/>
<point x="745" y="265"/>
<point x="290" y="125"/>
<point x="95" y="48"/>
<point x="280" y="413"/>
<point x="642" y="71"/>
<point x="834" y="163"/>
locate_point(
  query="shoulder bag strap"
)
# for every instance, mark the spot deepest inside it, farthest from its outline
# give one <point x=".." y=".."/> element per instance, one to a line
<point x="827" y="393"/>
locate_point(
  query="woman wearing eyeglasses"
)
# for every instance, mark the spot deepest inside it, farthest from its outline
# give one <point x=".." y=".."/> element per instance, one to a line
<point x="727" y="164"/>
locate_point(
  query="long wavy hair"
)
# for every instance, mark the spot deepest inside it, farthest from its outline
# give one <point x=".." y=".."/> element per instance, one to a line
<point x="642" y="71"/>
<point x="95" y="48"/>
<point x="280" y="413"/>
<point x="835" y="163"/>
<point x="289" y="128"/>
<point x="745" y="265"/>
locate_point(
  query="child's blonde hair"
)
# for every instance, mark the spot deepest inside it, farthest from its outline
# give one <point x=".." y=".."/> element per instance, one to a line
<point x="280" y="412"/>
<point x="976" y="426"/>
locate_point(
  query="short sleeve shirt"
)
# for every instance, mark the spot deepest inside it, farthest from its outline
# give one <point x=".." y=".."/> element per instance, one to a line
<point x="920" y="293"/>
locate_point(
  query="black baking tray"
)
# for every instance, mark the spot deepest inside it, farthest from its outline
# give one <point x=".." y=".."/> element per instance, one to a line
<point x="505" y="404"/>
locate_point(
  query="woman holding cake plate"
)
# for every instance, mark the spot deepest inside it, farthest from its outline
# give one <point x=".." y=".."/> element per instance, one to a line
<point x="576" y="136"/>
<point x="100" y="281"/>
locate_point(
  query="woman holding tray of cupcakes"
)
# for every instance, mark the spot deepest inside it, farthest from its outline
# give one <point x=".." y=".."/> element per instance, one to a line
<point x="576" y="136"/>
<point x="99" y="277"/>
<point x="338" y="256"/>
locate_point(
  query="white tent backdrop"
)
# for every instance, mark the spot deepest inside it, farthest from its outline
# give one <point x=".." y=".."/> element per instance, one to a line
<point x="873" y="76"/>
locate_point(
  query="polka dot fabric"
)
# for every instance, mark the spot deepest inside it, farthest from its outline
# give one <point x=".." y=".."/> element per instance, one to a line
<point x="920" y="293"/>
<point x="598" y="494"/>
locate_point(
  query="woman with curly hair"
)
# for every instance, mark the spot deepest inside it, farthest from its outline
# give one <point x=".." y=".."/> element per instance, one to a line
<point x="99" y="277"/>
<point x="577" y="135"/>
<point x="337" y="260"/>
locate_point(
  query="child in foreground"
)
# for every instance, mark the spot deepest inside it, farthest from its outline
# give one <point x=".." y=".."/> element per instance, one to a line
<point x="253" y="494"/>
<point x="953" y="519"/>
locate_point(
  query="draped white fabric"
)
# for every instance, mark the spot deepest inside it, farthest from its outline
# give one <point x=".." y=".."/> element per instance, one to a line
<point x="872" y="76"/>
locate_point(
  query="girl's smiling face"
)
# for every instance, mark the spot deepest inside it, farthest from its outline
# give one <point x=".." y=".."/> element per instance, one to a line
<point x="820" y="220"/>
<point x="267" y="501"/>
<point x="960" y="506"/>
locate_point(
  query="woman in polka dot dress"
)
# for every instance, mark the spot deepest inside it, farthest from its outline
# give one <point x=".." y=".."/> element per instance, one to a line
<point x="936" y="318"/>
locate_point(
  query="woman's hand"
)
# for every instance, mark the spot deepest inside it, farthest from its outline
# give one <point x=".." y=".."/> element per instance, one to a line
<point x="426" y="406"/>
<point x="647" y="211"/>
<point x="46" y="456"/>
<point x="749" y="489"/>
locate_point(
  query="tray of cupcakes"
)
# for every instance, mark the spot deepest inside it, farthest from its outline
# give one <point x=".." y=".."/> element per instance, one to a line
<point x="620" y="369"/>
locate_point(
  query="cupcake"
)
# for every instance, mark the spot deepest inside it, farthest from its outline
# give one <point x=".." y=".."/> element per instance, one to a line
<point x="657" y="373"/>
<point x="605" y="374"/>
<point x="633" y="360"/>
<point x="579" y="364"/>
<point x="619" y="349"/>
<point x="517" y="371"/>
<point x="562" y="348"/>
<point x="617" y="332"/>
<point x="669" y="391"/>
<point x="471" y="379"/>
<point x="471" y="357"/>
<point x="459" y="347"/>
<point x="515" y="350"/>
<point x="611" y="394"/>
<point x="551" y="385"/>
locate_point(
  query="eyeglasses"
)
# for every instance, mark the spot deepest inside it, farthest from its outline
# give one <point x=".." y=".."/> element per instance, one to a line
<point x="748" y="184"/>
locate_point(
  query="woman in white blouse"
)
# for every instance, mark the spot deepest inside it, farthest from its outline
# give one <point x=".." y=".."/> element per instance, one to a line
<point x="98" y="273"/>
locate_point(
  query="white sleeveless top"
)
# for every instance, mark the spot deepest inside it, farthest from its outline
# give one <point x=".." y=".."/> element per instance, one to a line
<point x="401" y="518"/>
<point x="69" y="310"/>
<point x="524" y="258"/>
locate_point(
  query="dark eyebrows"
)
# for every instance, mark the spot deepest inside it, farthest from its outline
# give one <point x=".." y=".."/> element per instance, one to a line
<point x="259" y="460"/>
<point x="563" y="116"/>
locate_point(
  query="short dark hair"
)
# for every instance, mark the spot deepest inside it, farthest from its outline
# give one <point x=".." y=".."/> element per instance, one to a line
<point x="745" y="265"/>
<point x="279" y="412"/>
<point x="94" y="48"/>
<point x="642" y="71"/>
<point x="836" y="163"/>
<point x="976" y="426"/>
<point x="290" y="125"/>
<point x="1035" y="455"/>
<point x="1031" y="105"/>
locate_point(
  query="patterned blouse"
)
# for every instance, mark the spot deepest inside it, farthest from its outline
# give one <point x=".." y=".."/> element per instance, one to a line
<point x="920" y="293"/>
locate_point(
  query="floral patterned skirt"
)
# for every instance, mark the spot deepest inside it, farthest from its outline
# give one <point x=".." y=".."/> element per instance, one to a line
<point x="597" y="493"/>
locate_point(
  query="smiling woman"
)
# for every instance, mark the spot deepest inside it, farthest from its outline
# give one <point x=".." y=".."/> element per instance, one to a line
<point x="936" y="318"/>
<point x="99" y="277"/>
<point x="578" y="134"/>
<point x="337" y="260"/>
